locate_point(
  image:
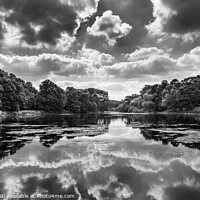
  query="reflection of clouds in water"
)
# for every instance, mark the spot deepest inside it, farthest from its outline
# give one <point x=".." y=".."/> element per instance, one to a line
<point x="185" y="190"/>
<point x="182" y="179"/>
<point x="105" y="168"/>
<point x="118" y="128"/>
<point x="193" y="182"/>
<point x="66" y="179"/>
<point x="157" y="191"/>
<point x="192" y="159"/>
<point x="113" y="188"/>
<point x="38" y="183"/>
<point x="96" y="162"/>
<point x="12" y="185"/>
<point x="182" y="193"/>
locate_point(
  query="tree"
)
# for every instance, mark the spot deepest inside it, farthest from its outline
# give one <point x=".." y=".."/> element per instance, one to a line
<point x="50" y="97"/>
<point x="10" y="99"/>
<point x="72" y="100"/>
<point x="148" y="106"/>
<point x="31" y="94"/>
<point x="16" y="94"/>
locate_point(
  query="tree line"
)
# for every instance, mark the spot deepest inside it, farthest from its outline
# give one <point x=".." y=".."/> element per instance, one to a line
<point x="16" y="94"/>
<point x="171" y="96"/>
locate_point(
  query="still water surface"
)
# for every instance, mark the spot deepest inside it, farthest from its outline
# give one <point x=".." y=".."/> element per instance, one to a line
<point x="125" y="160"/>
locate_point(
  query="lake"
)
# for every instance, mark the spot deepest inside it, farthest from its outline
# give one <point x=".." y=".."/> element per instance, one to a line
<point x="111" y="156"/>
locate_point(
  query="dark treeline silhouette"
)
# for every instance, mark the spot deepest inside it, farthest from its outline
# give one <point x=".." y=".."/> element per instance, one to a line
<point x="174" y="96"/>
<point x="16" y="94"/>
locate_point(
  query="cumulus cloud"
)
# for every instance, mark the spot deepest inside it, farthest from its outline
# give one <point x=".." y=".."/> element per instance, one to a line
<point x="144" y="53"/>
<point x="135" y="13"/>
<point x="191" y="60"/>
<point x="74" y="67"/>
<point x="85" y="63"/>
<point x="109" y="26"/>
<point x="176" y="17"/>
<point x="96" y="58"/>
<point x="41" y="66"/>
<point x="147" y="62"/>
<point x="102" y="70"/>
<point x="157" y="65"/>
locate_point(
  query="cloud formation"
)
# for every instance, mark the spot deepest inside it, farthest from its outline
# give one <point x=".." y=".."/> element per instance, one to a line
<point x="109" y="26"/>
<point x="103" y="71"/>
<point x="40" y="21"/>
<point x="96" y="58"/>
<point x="135" y="13"/>
<point x="144" y="53"/>
<point x="185" y="17"/>
<point x="176" y="17"/>
<point x="41" y="66"/>
<point x="157" y="65"/>
<point x="84" y="8"/>
<point x="105" y="43"/>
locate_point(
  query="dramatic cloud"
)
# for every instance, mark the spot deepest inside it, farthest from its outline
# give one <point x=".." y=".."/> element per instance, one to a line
<point x="108" y="44"/>
<point x="40" y="21"/>
<point x="110" y="26"/>
<point x="176" y="17"/>
<point x="136" y="13"/>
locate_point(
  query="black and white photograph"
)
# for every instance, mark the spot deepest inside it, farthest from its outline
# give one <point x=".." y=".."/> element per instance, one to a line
<point x="100" y="99"/>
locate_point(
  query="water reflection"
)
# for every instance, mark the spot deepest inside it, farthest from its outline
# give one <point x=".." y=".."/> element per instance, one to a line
<point x="120" y="164"/>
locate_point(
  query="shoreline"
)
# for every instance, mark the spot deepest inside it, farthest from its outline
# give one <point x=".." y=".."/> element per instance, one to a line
<point x="29" y="113"/>
<point x="38" y="113"/>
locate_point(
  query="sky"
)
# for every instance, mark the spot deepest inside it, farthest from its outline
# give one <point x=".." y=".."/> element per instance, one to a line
<point x="114" y="45"/>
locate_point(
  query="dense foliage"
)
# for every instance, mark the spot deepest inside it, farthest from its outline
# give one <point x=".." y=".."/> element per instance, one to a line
<point x="16" y="94"/>
<point x="174" y="96"/>
<point x="50" y="97"/>
<point x="113" y="104"/>
<point x="87" y="100"/>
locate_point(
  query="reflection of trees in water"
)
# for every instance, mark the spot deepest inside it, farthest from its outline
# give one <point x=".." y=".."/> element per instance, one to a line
<point x="163" y="119"/>
<point x="50" y="139"/>
<point x="57" y="119"/>
<point x="10" y="146"/>
<point x="167" y="138"/>
<point x="10" y="143"/>
<point x="95" y="118"/>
